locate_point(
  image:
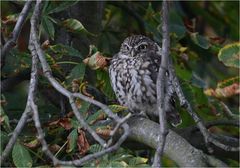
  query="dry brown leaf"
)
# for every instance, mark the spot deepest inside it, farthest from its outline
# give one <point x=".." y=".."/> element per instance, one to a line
<point x="82" y="142"/>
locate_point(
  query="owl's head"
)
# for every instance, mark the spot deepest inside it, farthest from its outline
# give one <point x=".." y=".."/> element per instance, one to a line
<point x="138" y="45"/>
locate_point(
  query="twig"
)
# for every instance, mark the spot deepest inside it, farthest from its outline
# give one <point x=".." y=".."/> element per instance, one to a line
<point x="16" y="31"/>
<point x="48" y="74"/>
<point x="16" y="132"/>
<point x="162" y="86"/>
<point x="208" y="137"/>
<point x="228" y="111"/>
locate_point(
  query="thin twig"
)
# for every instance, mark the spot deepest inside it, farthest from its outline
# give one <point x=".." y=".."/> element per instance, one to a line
<point x="228" y="111"/>
<point x="162" y="86"/>
<point x="16" y="31"/>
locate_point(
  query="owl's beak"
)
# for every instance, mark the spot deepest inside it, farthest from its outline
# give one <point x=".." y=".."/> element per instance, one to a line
<point x="132" y="52"/>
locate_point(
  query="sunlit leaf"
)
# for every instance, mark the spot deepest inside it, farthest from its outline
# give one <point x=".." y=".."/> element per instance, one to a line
<point x="138" y="161"/>
<point x="72" y="141"/>
<point x="21" y="156"/>
<point x="199" y="40"/>
<point x="230" y="55"/>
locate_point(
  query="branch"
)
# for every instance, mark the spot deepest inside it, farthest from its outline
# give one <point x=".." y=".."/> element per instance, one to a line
<point x="36" y="50"/>
<point x="208" y="137"/>
<point x="162" y="86"/>
<point x="176" y="147"/>
<point x="16" y="31"/>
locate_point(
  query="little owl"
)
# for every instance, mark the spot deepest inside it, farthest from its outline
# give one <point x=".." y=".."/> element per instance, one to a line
<point x="133" y="73"/>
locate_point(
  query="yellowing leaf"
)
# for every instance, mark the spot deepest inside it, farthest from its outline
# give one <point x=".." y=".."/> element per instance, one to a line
<point x="225" y="92"/>
<point x="230" y="55"/>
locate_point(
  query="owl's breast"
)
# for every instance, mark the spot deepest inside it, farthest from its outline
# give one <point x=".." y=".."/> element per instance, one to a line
<point x="132" y="84"/>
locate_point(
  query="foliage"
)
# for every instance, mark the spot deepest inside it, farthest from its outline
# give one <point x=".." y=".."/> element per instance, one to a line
<point x="204" y="51"/>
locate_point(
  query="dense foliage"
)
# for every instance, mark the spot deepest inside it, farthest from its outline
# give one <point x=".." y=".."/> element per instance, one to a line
<point x="205" y="52"/>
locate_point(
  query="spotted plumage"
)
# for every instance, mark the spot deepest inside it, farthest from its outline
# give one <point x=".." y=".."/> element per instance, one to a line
<point x="133" y="72"/>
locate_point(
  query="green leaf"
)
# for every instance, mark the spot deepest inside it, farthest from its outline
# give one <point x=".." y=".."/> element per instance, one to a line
<point x="101" y="114"/>
<point x="182" y="72"/>
<point x="72" y="140"/>
<point x="21" y="156"/>
<point x="58" y="6"/>
<point x="230" y="55"/>
<point x="228" y="82"/>
<point x="77" y="72"/>
<point x="48" y="26"/>
<point x="176" y="25"/>
<point x="4" y="139"/>
<point x="74" y="26"/>
<point x="95" y="148"/>
<point x="201" y="41"/>
<point x="137" y="161"/>
<point x="103" y="77"/>
<point x="64" y="50"/>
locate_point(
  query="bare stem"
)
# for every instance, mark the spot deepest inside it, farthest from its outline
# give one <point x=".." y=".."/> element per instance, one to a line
<point x="162" y="86"/>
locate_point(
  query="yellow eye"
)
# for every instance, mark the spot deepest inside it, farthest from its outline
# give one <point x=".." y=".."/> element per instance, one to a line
<point x="142" y="47"/>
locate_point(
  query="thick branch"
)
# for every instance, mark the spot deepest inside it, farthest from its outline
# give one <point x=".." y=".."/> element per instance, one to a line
<point x="176" y="147"/>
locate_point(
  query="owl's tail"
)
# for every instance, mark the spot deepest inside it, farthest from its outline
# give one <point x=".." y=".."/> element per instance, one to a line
<point x="172" y="114"/>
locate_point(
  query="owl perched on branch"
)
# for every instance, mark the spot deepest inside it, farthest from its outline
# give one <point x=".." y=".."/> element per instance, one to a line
<point x="133" y="73"/>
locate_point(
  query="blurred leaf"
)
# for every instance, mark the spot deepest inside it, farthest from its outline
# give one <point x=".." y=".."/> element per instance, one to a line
<point x="137" y="161"/>
<point x="21" y="156"/>
<point x="48" y="26"/>
<point x="72" y="141"/>
<point x="4" y="139"/>
<point x="224" y="92"/>
<point x="4" y="120"/>
<point x="228" y="82"/>
<point x="201" y="41"/>
<point x="97" y="61"/>
<point x="32" y="144"/>
<point x="58" y="6"/>
<point x="176" y="25"/>
<point x="65" y="50"/>
<point x="230" y="55"/>
<point x="74" y="26"/>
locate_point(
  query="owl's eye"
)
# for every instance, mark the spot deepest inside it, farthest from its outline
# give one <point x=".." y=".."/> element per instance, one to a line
<point x="126" y="47"/>
<point x="142" y="47"/>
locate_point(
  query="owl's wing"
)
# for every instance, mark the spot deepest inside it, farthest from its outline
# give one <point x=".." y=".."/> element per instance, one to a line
<point x="154" y="63"/>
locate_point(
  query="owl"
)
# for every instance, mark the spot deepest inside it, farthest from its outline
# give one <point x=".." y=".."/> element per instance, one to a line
<point x="133" y="74"/>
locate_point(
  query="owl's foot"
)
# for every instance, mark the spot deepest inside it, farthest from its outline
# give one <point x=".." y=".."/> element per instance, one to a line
<point x="141" y="114"/>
